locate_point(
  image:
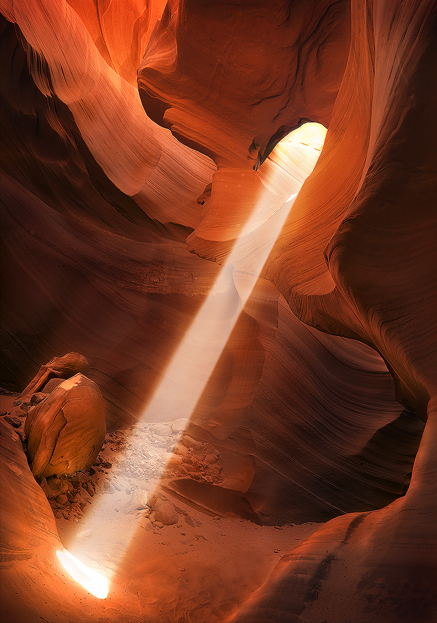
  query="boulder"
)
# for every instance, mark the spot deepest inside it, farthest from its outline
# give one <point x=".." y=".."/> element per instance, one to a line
<point x="65" y="431"/>
<point x="57" y="368"/>
<point x="166" y="514"/>
<point x="180" y="424"/>
<point x="55" y="487"/>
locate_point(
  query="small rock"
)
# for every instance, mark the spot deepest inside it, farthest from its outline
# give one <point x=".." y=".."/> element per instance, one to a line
<point x="17" y="403"/>
<point x="139" y="500"/>
<point x="78" y="479"/>
<point x="109" y="488"/>
<point x="90" y="488"/>
<point x="154" y="501"/>
<point x="147" y="524"/>
<point x="158" y="524"/>
<point x="181" y="449"/>
<point x="189" y="442"/>
<point x="166" y="514"/>
<point x="158" y="440"/>
<point x="106" y="464"/>
<point x="173" y="459"/>
<point x="54" y="487"/>
<point x="83" y="496"/>
<point x="37" y="398"/>
<point x="163" y="430"/>
<point x="210" y="458"/>
<point x="7" y="392"/>
<point x="180" y="424"/>
<point x="62" y="499"/>
<point x="13" y="421"/>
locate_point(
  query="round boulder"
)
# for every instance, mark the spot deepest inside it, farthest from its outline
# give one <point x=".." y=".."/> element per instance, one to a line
<point x="65" y="431"/>
<point x="166" y="514"/>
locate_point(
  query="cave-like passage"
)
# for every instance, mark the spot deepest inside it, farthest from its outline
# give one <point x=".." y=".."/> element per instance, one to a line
<point x="104" y="533"/>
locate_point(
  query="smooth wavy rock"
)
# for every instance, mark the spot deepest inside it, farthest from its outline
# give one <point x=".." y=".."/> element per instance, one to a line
<point x="237" y="100"/>
<point x="381" y="256"/>
<point x="193" y="82"/>
<point x="323" y="449"/>
<point x="301" y="410"/>
<point x="126" y="304"/>
<point x="120" y="30"/>
<point x="65" y="63"/>
<point x="27" y="521"/>
<point x="353" y="259"/>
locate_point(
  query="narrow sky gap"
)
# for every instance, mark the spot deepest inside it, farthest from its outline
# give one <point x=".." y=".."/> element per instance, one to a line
<point x="104" y="533"/>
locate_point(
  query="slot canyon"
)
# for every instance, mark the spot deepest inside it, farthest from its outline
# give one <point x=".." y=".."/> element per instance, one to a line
<point x="218" y="386"/>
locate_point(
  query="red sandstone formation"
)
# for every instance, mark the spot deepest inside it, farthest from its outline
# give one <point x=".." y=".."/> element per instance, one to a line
<point x="65" y="431"/>
<point x="237" y="98"/>
<point x="57" y="368"/>
<point x="316" y="407"/>
<point x="120" y="30"/>
<point x="37" y="533"/>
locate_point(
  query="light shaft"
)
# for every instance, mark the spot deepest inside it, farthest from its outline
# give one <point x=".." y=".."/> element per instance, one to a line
<point x="194" y="360"/>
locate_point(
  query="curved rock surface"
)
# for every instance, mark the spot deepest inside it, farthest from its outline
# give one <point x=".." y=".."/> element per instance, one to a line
<point x="38" y="529"/>
<point x="120" y="30"/>
<point x="65" y="431"/>
<point x="316" y="408"/>
<point x="281" y="63"/>
<point x="57" y="368"/>
<point x="150" y="165"/>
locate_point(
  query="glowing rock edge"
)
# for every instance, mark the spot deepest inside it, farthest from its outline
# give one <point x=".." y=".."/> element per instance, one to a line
<point x="93" y="582"/>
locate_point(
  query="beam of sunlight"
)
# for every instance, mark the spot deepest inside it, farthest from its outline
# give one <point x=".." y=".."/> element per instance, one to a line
<point x="106" y="531"/>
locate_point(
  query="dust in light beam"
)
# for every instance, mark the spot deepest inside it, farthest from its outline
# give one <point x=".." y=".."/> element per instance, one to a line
<point x="282" y="175"/>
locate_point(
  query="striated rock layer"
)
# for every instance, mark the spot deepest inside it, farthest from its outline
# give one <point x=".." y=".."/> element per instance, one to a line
<point x="98" y="201"/>
<point x="125" y="301"/>
<point x="355" y="258"/>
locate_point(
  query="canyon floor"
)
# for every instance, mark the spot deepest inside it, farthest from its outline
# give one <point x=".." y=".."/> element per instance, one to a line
<point x="199" y="569"/>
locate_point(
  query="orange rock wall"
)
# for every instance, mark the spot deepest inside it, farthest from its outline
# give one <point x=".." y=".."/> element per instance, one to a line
<point x="99" y="200"/>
